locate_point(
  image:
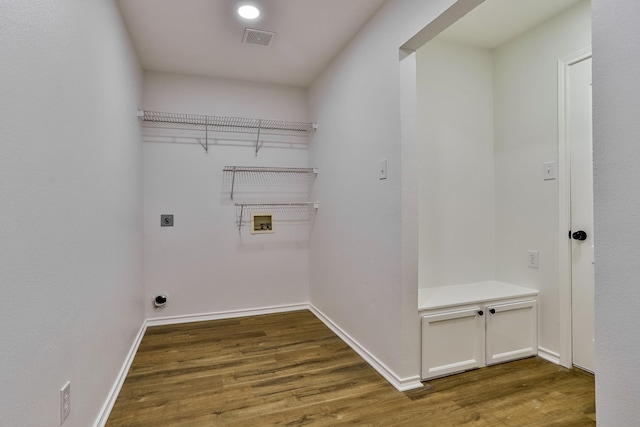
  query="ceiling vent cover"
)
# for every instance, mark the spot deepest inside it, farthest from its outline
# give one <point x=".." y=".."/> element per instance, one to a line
<point x="259" y="37"/>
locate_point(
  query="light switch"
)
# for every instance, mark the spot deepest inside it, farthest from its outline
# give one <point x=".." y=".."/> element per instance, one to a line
<point x="550" y="170"/>
<point x="383" y="169"/>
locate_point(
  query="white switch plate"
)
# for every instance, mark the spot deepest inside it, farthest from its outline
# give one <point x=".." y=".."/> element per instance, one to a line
<point x="532" y="259"/>
<point x="383" y="169"/>
<point x="65" y="402"/>
<point x="550" y="170"/>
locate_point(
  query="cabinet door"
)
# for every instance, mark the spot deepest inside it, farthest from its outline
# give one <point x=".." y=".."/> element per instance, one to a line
<point x="452" y="342"/>
<point x="512" y="331"/>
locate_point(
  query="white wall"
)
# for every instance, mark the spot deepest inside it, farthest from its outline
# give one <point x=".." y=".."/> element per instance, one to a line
<point x="71" y="192"/>
<point x="616" y="91"/>
<point x="455" y="106"/>
<point x="526" y="136"/>
<point x="203" y="262"/>
<point x="364" y="267"/>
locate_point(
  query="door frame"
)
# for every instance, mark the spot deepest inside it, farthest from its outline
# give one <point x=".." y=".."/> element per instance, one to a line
<point x="564" y="205"/>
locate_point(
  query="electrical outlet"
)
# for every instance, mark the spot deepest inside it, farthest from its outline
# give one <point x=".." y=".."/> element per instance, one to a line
<point x="550" y="170"/>
<point x="532" y="259"/>
<point x="166" y="220"/>
<point x="65" y="402"/>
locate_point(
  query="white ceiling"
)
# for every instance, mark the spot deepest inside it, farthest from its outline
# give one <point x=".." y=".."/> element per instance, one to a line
<point x="495" y="22"/>
<point x="204" y="37"/>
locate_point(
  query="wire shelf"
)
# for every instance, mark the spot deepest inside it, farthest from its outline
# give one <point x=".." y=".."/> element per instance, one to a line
<point x="282" y="212"/>
<point x="240" y="125"/>
<point x="292" y="180"/>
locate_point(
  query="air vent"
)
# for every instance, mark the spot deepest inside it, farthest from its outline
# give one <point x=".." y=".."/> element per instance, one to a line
<point x="259" y="37"/>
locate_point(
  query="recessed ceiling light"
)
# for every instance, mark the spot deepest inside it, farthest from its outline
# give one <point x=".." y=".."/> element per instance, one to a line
<point x="248" y="11"/>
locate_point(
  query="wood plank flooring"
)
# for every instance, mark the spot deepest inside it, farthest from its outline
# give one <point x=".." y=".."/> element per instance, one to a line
<point x="290" y="370"/>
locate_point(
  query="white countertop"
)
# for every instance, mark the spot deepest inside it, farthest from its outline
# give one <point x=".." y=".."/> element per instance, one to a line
<point x="470" y="293"/>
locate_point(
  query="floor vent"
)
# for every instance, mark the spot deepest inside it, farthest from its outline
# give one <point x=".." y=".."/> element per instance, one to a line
<point x="259" y="37"/>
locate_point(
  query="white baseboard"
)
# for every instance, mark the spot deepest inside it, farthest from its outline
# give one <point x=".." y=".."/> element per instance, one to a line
<point x="173" y="320"/>
<point x="549" y="355"/>
<point x="105" y="411"/>
<point x="401" y="384"/>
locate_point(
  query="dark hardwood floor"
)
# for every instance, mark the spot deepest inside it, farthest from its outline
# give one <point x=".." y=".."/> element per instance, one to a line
<point x="290" y="370"/>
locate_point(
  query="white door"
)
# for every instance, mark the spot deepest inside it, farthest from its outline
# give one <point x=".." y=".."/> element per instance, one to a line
<point x="582" y="239"/>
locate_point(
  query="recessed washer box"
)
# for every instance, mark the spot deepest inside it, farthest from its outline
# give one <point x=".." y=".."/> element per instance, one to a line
<point x="262" y="223"/>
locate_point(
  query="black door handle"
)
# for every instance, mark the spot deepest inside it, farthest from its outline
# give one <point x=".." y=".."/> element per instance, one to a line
<point x="579" y="235"/>
<point x="492" y="311"/>
<point x="480" y="313"/>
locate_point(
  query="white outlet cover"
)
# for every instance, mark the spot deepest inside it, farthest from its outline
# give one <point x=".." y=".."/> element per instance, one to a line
<point x="550" y="170"/>
<point x="532" y="259"/>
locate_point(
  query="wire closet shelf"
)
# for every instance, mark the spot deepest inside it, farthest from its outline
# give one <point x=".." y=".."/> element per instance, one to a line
<point x="242" y="125"/>
<point x="254" y="175"/>
<point x="282" y="212"/>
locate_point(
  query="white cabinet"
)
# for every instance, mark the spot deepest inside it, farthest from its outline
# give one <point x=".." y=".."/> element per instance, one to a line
<point x="452" y="342"/>
<point x="469" y="326"/>
<point x="511" y="331"/>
